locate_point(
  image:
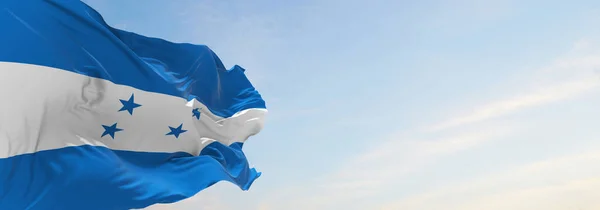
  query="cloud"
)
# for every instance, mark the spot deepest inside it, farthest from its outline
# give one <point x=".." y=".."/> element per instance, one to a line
<point x="369" y="174"/>
<point x="376" y="172"/>
<point x="566" y="78"/>
<point x="567" y="182"/>
<point x="543" y="96"/>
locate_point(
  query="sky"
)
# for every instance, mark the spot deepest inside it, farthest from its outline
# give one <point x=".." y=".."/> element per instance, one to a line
<point x="394" y="104"/>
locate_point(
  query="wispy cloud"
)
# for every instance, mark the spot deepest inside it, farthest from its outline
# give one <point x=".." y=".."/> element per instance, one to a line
<point x="377" y="170"/>
<point x="542" y="96"/>
<point x="373" y="172"/>
<point x="530" y="186"/>
<point x="565" y="78"/>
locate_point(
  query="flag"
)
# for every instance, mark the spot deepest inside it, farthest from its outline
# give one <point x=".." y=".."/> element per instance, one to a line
<point x="93" y="117"/>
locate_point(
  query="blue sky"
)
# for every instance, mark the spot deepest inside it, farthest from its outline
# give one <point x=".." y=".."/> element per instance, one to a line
<point x="463" y="104"/>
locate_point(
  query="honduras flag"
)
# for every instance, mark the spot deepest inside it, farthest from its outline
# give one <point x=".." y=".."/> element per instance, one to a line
<point x="92" y="117"/>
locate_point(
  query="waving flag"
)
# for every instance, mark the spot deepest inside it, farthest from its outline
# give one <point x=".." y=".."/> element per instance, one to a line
<point x="92" y="117"/>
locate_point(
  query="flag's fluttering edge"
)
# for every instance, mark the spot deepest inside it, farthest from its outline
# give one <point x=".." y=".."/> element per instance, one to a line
<point x="93" y="117"/>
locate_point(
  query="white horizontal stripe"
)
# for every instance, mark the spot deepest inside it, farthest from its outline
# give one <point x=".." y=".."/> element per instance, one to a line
<point x="43" y="108"/>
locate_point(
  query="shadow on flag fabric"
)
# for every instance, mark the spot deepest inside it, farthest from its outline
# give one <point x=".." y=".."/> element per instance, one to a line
<point x="92" y="117"/>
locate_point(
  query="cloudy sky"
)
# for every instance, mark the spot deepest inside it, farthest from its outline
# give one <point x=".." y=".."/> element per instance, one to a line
<point x="393" y="104"/>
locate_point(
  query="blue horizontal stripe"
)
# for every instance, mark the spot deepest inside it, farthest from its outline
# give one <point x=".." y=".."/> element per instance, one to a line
<point x="90" y="177"/>
<point x="69" y="35"/>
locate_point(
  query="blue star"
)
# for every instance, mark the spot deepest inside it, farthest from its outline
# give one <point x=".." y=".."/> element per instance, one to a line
<point x="129" y="105"/>
<point x="176" y="131"/>
<point x="110" y="130"/>
<point x="196" y="113"/>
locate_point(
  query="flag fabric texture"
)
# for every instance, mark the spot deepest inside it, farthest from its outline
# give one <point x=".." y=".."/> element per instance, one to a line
<point x="93" y="117"/>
